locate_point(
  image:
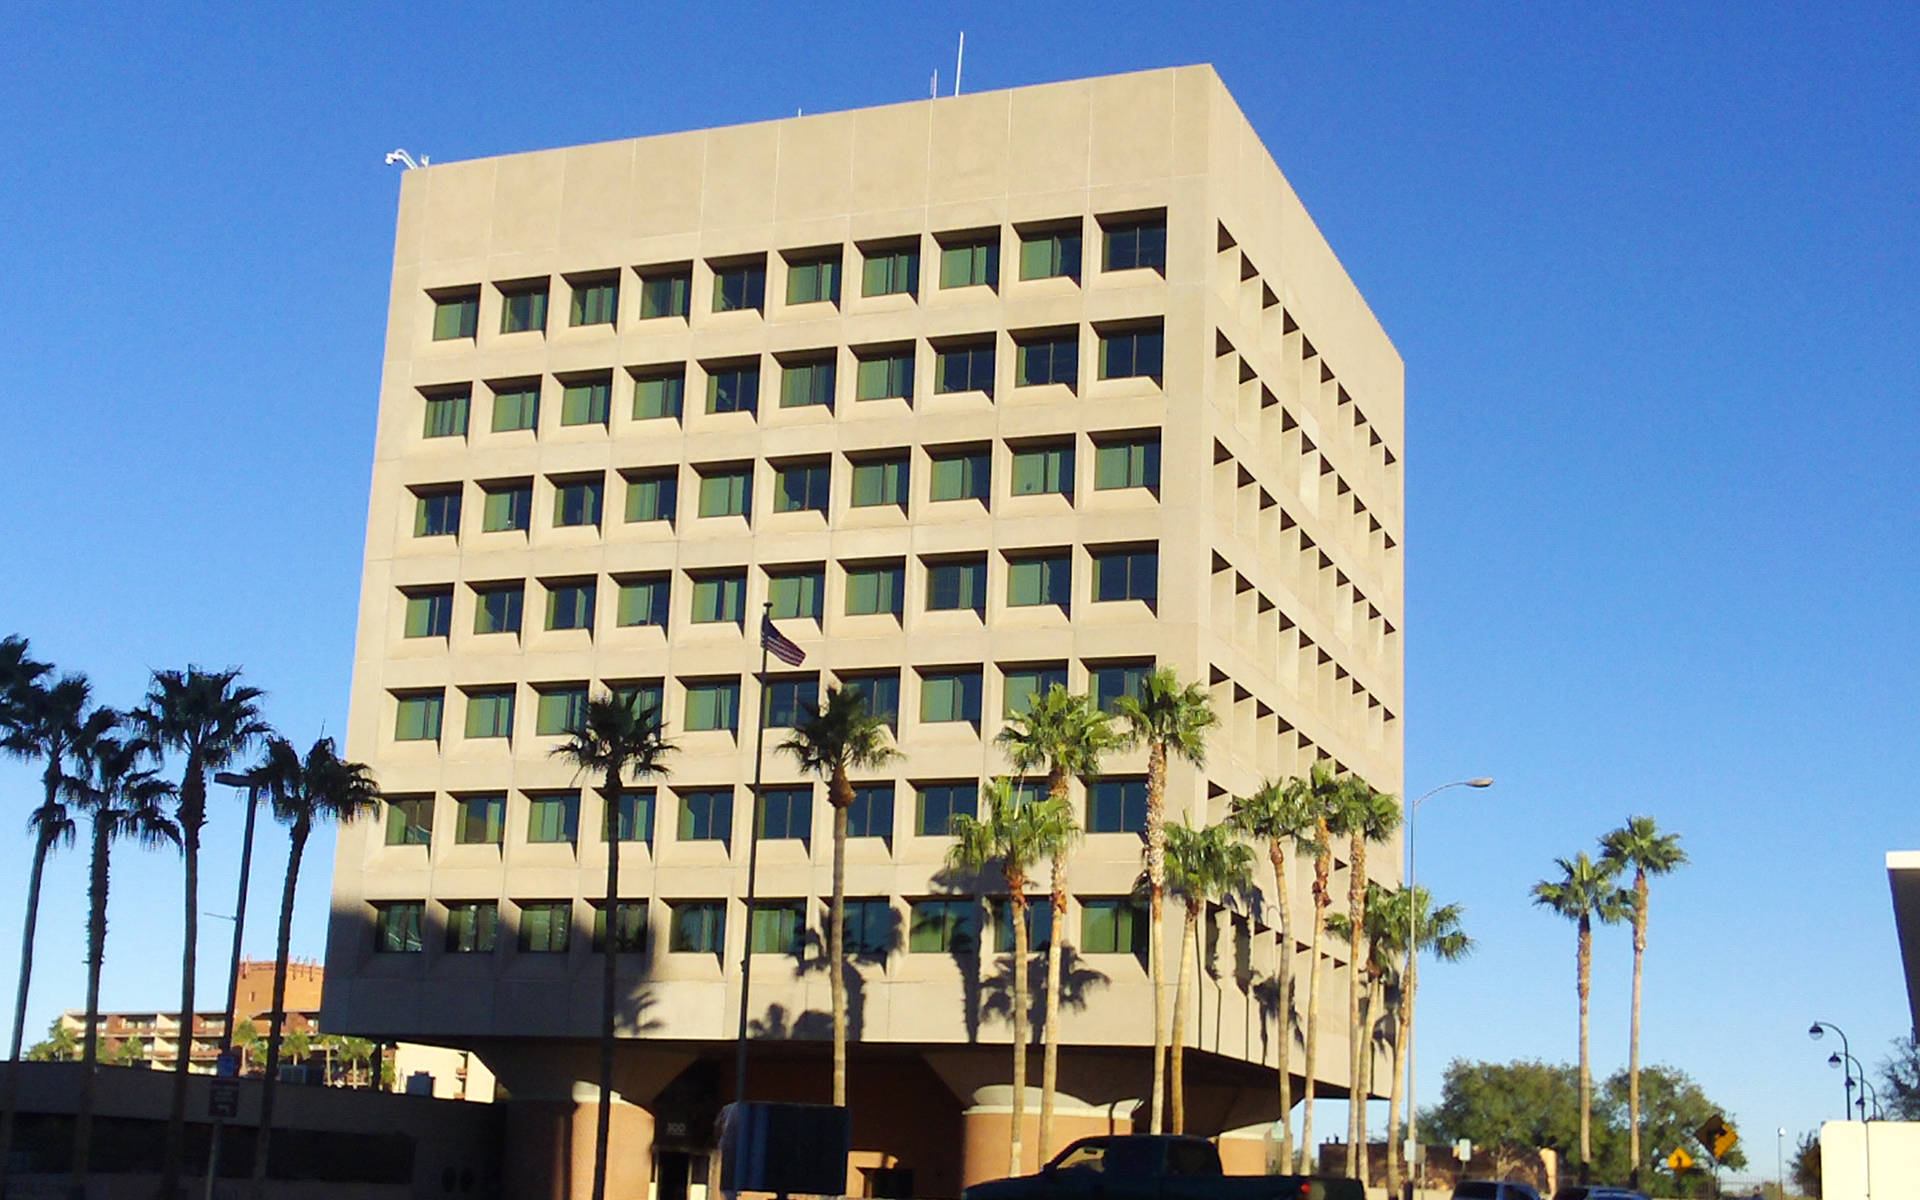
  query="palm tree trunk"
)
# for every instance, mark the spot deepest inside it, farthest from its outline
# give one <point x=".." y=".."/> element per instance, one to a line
<point x="1283" y="981"/>
<point x="1017" y="908"/>
<point x="1584" y="982"/>
<point x="1322" y="895"/>
<point x="1394" y="1091"/>
<point x="278" y="1017"/>
<point x="90" y="1036"/>
<point x="192" y="817"/>
<point x="609" y="990"/>
<point x="1050" y="1063"/>
<point x="42" y="844"/>
<point x="1358" y="1037"/>
<point x="1177" y="1044"/>
<point x="837" y="936"/>
<point x="1156" y="888"/>
<point x="1633" y="1038"/>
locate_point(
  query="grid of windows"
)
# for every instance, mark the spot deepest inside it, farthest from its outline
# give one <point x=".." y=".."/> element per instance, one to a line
<point x="397" y="927"/>
<point x="409" y="820"/>
<point x="473" y="926"/>
<point x="644" y="600"/>
<point x="706" y="816"/>
<point x="545" y="926"/>
<point x="570" y="604"/>
<point x="553" y="818"/>
<point x="480" y="820"/>
<point x="1117" y="806"/>
<point x="943" y="926"/>
<point x="595" y="301"/>
<point x="659" y="393"/>
<point x="506" y="507"/>
<point x="797" y="594"/>
<point x="429" y="613"/>
<point x="786" y="814"/>
<point x="497" y="607"/>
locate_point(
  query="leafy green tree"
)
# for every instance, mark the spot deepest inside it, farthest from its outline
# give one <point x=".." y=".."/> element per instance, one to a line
<point x="304" y="792"/>
<point x="60" y="1045"/>
<point x="122" y="801"/>
<point x="1017" y="832"/>
<point x="1066" y="735"/>
<point x="209" y="718"/>
<point x="1281" y="815"/>
<point x="1805" y="1165"/>
<point x="1511" y="1109"/>
<point x="1672" y="1106"/>
<point x="1365" y="815"/>
<point x="1585" y="890"/>
<point x="1204" y="866"/>
<point x="615" y="739"/>
<point x="1171" y="718"/>
<point x="1639" y="846"/>
<point x="842" y="737"/>
<point x="1899" y="1084"/>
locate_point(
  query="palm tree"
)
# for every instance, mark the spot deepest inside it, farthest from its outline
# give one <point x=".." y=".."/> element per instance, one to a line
<point x="1382" y="941"/>
<point x="843" y="736"/>
<point x="1321" y="792"/>
<point x="1067" y="735"/>
<point x="1585" y="890"/>
<point x="1017" y="832"/>
<point x="211" y="719"/>
<point x="304" y="792"/>
<point x="1365" y="816"/>
<point x="122" y="801"/>
<point x="1203" y="866"/>
<point x="60" y="1044"/>
<point x="50" y="723"/>
<point x="614" y="738"/>
<point x="1171" y="718"/>
<point x="1436" y="931"/>
<point x="1639" y="844"/>
<point x="1281" y="815"/>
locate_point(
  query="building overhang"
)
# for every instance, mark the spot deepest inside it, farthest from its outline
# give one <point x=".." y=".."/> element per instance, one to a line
<point x="1903" y="875"/>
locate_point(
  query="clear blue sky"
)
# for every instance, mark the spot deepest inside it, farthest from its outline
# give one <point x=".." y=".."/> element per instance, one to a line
<point x="1651" y="266"/>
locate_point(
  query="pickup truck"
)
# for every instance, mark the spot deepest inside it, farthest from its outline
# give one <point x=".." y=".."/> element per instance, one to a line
<point x="1154" y="1167"/>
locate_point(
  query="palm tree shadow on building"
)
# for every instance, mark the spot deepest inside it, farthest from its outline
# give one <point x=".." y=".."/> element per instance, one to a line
<point x="1266" y="994"/>
<point x="1077" y="983"/>
<point x="965" y="950"/>
<point x="811" y="958"/>
<point x="631" y="1017"/>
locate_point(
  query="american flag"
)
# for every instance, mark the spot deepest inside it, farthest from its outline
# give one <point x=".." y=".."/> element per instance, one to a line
<point x="779" y="645"/>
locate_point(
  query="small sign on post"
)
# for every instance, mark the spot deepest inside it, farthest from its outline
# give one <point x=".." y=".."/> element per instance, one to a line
<point x="1680" y="1160"/>
<point x="223" y="1099"/>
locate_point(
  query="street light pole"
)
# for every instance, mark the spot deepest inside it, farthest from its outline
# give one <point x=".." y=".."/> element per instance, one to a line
<point x="1816" y="1031"/>
<point x="1413" y="950"/>
<point x="251" y="782"/>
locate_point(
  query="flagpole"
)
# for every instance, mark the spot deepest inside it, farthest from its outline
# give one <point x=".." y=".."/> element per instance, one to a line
<point x="753" y="866"/>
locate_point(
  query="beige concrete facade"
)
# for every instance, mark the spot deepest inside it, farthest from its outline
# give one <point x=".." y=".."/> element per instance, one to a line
<point x="1277" y="522"/>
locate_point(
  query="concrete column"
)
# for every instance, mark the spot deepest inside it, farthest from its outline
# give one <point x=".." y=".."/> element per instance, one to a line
<point x="1249" y="1150"/>
<point x="629" y="1146"/>
<point x="987" y="1123"/>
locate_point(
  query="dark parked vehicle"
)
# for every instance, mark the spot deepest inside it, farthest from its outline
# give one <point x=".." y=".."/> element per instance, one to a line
<point x="1153" y="1167"/>
<point x="1493" y="1189"/>
<point x="1581" y="1191"/>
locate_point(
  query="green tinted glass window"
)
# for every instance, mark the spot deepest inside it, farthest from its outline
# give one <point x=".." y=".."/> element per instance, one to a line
<point x="797" y="595"/>
<point x="803" y="487"/>
<point x="1111" y="683"/>
<point x="397" y="927"/>
<point x="726" y="493"/>
<point x="965" y="369"/>
<point x="1039" y="925"/>
<point x="523" y="310"/>
<point x="878" y="482"/>
<point x="430" y="614"/>
<point x="447" y="414"/>
<point x="595" y="303"/>
<point x="636" y="815"/>
<point x="698" y="927"/>
<point x="713" y="705"/>
<point x="706" y="816"/>
<point x="436" y="513"/>
<point x="645" y="601"/>
<point x="586" y="403"/>
<point x="718" y="598"/>
<point x="409" y="820"/>
<point x="805" y="384"/>
<point x="881" y="693"/>
<point x="958" y="584"/>
<point x="659" y="394"/>
<point x="739" y="287"/>
<point x="1129" y="464"/>
<point x="508" y="506"/>
<point x="553" y="818"/>
<point x="948" y="696"/>
<point x="490" y="713"/>
<point x="516" y="407"/>
<point x="875" y="589"/>
<point x="792" y="699"/>
<point x="665" y="294"/>
<point x="1131" y="354"/>
<point x="545" y="926"/>
<point x="786" y="814"/>
<point x="1042" y="579"/>
<point x="1112" y="926"/>
<point x="1048" y="360"/>
<point x="1043" y="470"/>
<point x="629" y="927"/>
<point x="562" y="710"/>
<point x="779" y="928"/>
<point x="971" y="263"/>
<point x="473" y="926"/>
<point x="577" y="502"/>
<point x="814" y="280"/>
<point x="967" y="476"/>
<point x="942" y="927"/>
<point x="734" y="388"/>
<point x="496" y="608"/>
<point x="417" y="717"/>
<point x="1050" y="255"/>
<point x="1135" y="244"/>
<point x="653" y="496"/>
<point x="1127" y="575"/>
<point x="885" y="375"/>
<point x="456" y="317"/>
<point x="891" y="271"/>
<point x="1022" y="685"/>
<point x="480" y="820"/>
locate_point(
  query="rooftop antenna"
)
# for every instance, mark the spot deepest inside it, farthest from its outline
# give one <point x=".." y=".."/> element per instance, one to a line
<point x="933" y="88"/>
<point x="959" y="61"/>
<point x="406" y="160"/>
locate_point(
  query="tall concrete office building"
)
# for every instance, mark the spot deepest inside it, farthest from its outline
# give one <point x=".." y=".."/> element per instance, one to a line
<point x="982" y="394"/>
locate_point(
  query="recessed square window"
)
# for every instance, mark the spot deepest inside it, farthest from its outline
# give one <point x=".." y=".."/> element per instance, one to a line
<point x="713" y="704"/>
<point x="807" y="382"/>
<point x="1045" y="358"/>
<point x="1113" y="926"/>
<point x="961" y="475"/>
<point x="636" y="815"/>
<point x="645" y="698"/>
<point x="1135" y="352"/>
<point x="937" y="804"/>
<point x="1050" y="253"/>
<point x="473" y="926"/>
<point x="1117" y="805"/>
<point x="878" y="482"/>
<point x="871" y="813"/>
<point x="803" y="486"/>
<point x="740" y="286"/>
<point x="870" y="933"/>
<point x="779" y="927"/>
<point x="516" y="405"/>
<point x="586" y="401"/>
<point x="1045" y="470"/>
<point x="1022" y="685"/>
<point x="943" y="926"/>
<point x="813" y="276"/>
<point x="970" y="260"/>
<point x="1039" y="922"/>
<point x="786" y="814"/>
<point x="576" y="502"/>
<point x="659" y="393"/>
<point x="645" y="600"/>
<point x="948" y="696"/>
<point x="490" y="712"/>
<point x="456" y="315"/>
<point x="562" y="709"/>
<point x="798" y="594"/>
<point x="698" y="927"/>
<point x="629" y="926"/>
<point x="1111" y="682"/>
<point x="706" y="815"/>
<point x="506" y="506"/>
<point x="523" y="307"/>
<point x="733" y="387"/>
<point x="964" y="367"/>
<point x="546" y="926"/>
<point x="409" y="820"/>
<point x="497" y="607"/>
<point x="1135" y="242"/>
<point x="553" y="818"/>
<point x="957" y="584"/>
<point x="653" y="495"/>
<point x="429" y="612"/>
<point x="726" y="491"/>
<point x="884" y="373"/>
<point x="665" y="291"/>
<point x="570" y="604"/>
<point x="480" y="820"/>
<point x="595" y="300"/>
<point x="1132" y="574"/>
<point x="417" y="716"/>
<point x="792" y="699"/>
<point x="1131" y="461"/>
<point x="875" y="588"/>
<point x="397" y="926"/>
<point x="436" y="511"/>
<point x="720" y="597"/>
<point x="446" y="412"/>
<point x="1040" y="579"/>
<point x="880" y="690"/>
<point x="891" y="270"/>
